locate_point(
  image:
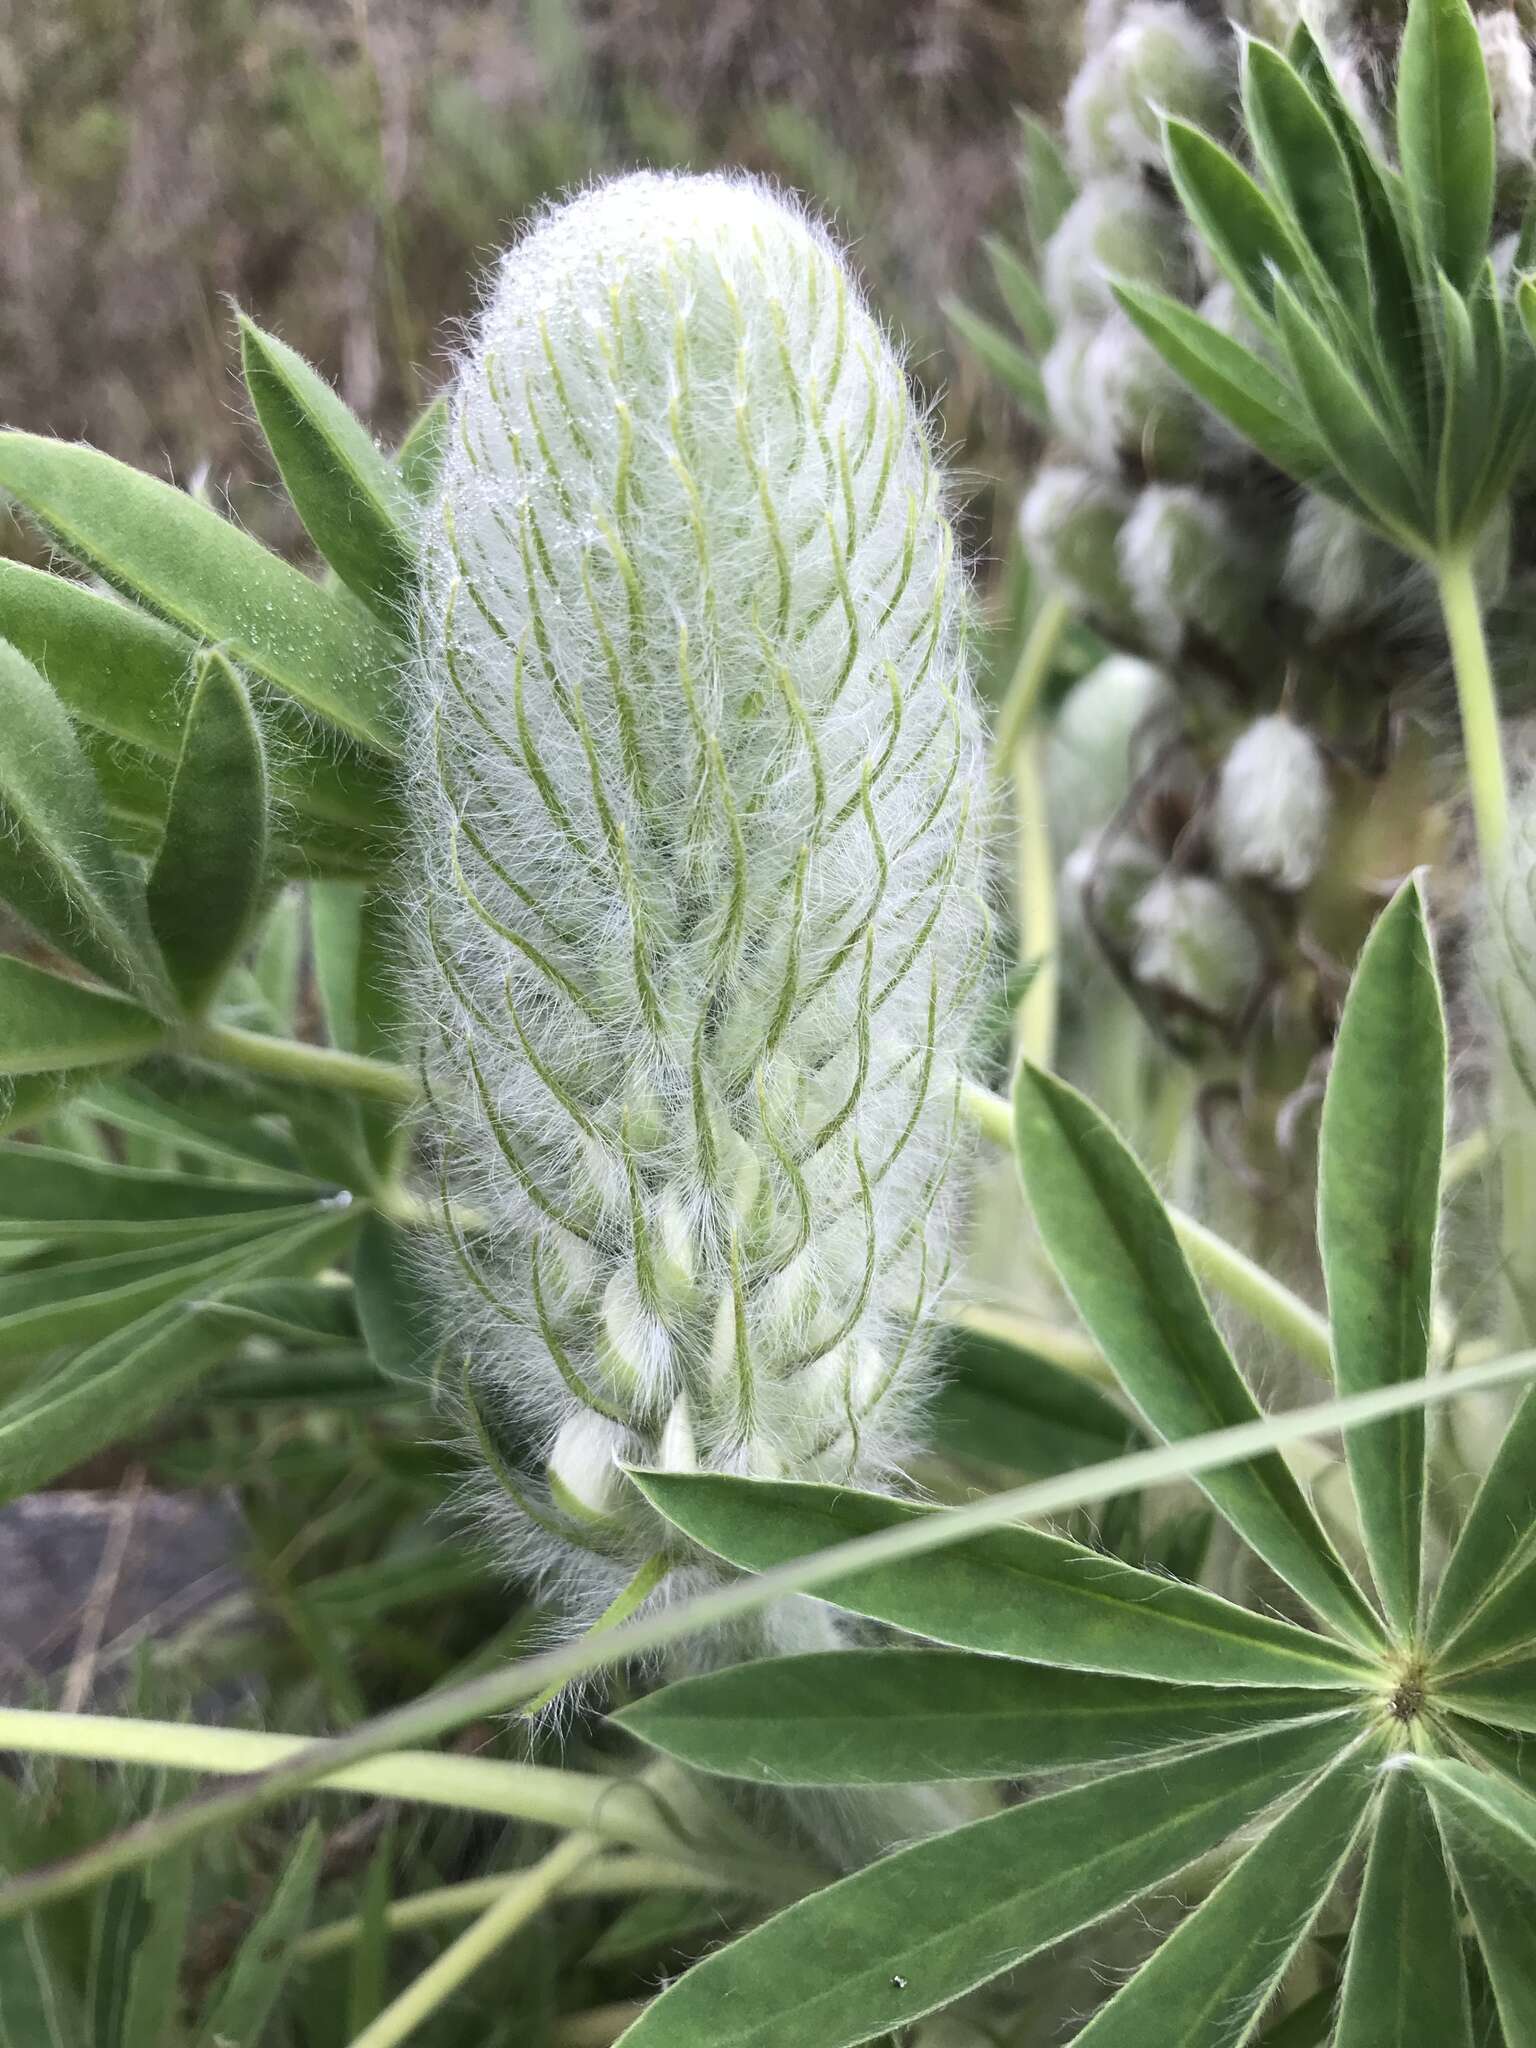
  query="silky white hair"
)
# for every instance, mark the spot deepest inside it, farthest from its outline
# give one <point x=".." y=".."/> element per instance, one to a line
<point x="699" y="853"/>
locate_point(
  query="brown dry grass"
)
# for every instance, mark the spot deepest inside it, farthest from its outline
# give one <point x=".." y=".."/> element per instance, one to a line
<point x="341" y="168"/>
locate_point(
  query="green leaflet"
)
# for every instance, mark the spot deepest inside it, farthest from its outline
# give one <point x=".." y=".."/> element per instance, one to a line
<point x="1012" y="1592"/>
<point x="153" y="1990"/>
<point x="298" y="1312"/>
<point x="918" y="1928"/>
<point x="1383" y="1129"/>
<point x="122" y="673"/>
<point x="1490" y="1812"/>
<point x="111" y="666"/>
<point x="1003" y="1406"/>
<point x="1504" y="1694"/>
<point x="1359" y="444"/>
<point x="1048" y="185"/>
<point x="892" y="1717"/>
<point x="49" y="1193"/>
<point x="1111" y="1241"/>
<point x="117" y="1385"/>
<point x="1020" y="293"/>
<point x="50" y="1025"/>
<point x="420" y="455"/>
<point x="1305" y="163"/>
<point x="1497" y="1536"/>
<point x="1002" y="357"/>
<point x="347" y="493"/>
<point x="1215" y="1974"/>
<point x="393" y="1305"/>
<point x="200" y="572"/>
<point x="1445" y="137"/>
<point x="1504" y="1918"/>
<point x="1239" y="220"/>
<point x="205" y="888"/>
<point x="58" y="869"/>
<point x="357" y="946"/>
<point x="1405" y="1982"/>
<point x="1235" y="383"/>
<point x="246" y="1995"/>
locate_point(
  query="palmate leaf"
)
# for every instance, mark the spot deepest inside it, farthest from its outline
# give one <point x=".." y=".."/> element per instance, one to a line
<point x="1215" y="1974"/>
<point x="1047" y="183"/>
<point x="1445" y="137"/>
<point x="1020" y="294"/>
<point x="160" y="547"/>
<point x="117" y="1385"/>
<point x="347" y="493"/>
<point x="1114" y="1247"/>
<point x="394" y="1307"/>
<point x="205" y="888"/>
<point x="893" y="1717"/>
<point x="918" y="1928"/>
<point x="58" y="867"/>
<point x="1382" y="1136"/>
<point x="55" y="1305"/>
<point x="1405" y="1981"/>
<point x="1011" y="1592"/>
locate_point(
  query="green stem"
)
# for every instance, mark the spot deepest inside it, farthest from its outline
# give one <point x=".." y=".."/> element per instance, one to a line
<point x="600" y="2026"/>
<point x="496" y="1926"/>
<point x="338" y="1759"/>
<point x="314" y="1066"/>
<point x="605" y="1877"/>
<point x="1219" y="1264"/>
<point x="1481" y="737"/>
<point x="1069" y="1349"/>
<point x="1016" y="757"/>
<point x="607" y="1807"/>
<point x="1037" y="658"/>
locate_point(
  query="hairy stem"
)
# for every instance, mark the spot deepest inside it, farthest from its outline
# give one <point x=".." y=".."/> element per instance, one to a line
<point x="314" y="1066"/>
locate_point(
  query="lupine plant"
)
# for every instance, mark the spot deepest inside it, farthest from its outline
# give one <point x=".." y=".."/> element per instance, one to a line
<point x="520" y="1006"/>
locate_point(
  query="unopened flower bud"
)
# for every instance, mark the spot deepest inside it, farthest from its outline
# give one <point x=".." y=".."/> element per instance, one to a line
<point x="1336" y="568"/>
<point x="1272" y="808"/>
<point x="1507" y="56"/>
<point x="1116" y="228"/>
<point x="1070" y="522"/>
<point x="584" y="1477"/>
<point x="1195" y="946"/>
<point x="1187" y="569"/>
<point x="1159" y="59"/>
<point x="1089" y="757"/>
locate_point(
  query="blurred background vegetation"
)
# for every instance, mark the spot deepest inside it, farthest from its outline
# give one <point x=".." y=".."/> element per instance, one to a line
<point x="343" y="169"/>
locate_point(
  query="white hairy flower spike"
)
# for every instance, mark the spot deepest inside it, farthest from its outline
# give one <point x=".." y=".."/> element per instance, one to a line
<point x="700" y="864"/>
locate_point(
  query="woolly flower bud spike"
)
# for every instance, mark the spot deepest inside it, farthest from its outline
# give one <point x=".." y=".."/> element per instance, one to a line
<point x="700" y="867"/>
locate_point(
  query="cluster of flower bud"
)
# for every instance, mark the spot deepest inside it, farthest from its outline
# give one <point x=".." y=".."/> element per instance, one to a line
<point x="1173" y="539"/>
<point x="1169" y="854"/>
<point x="700" y="867"/>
